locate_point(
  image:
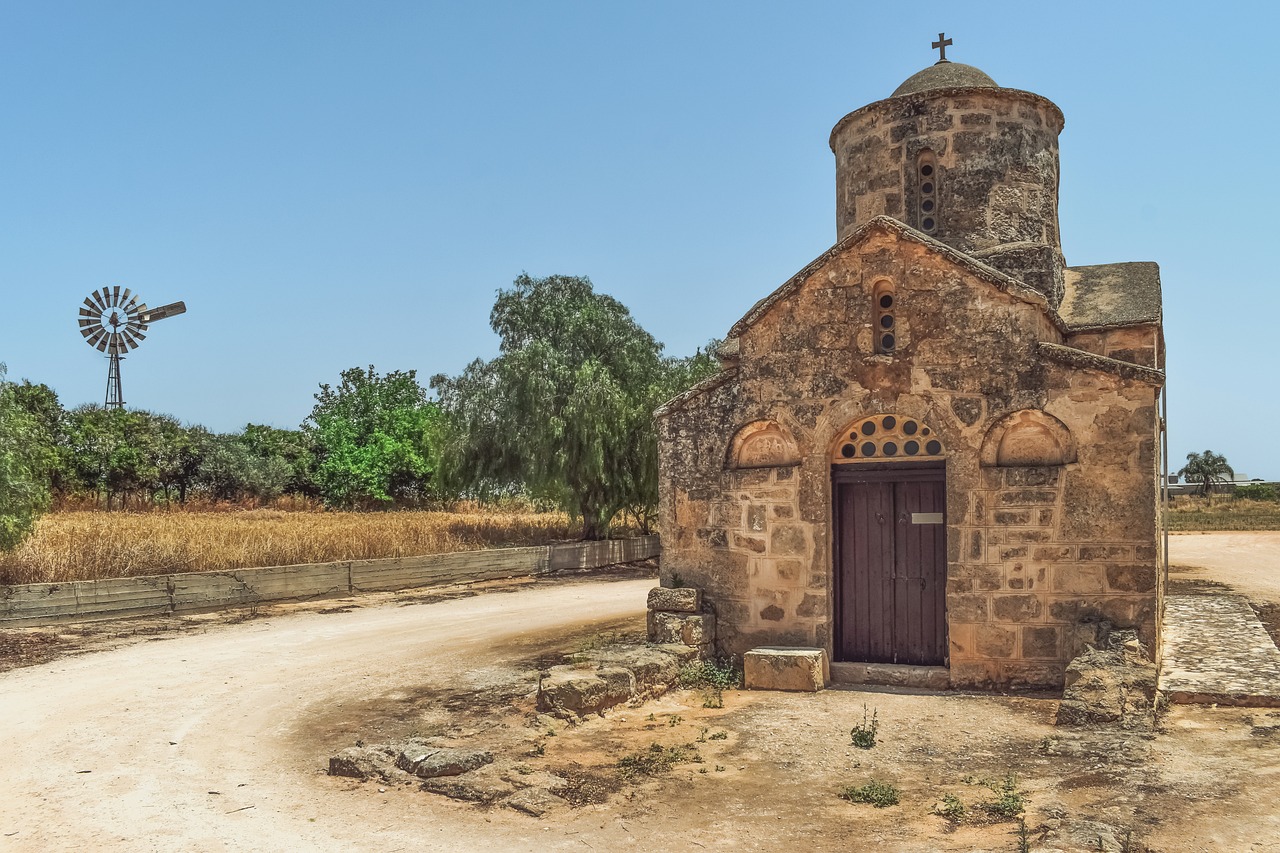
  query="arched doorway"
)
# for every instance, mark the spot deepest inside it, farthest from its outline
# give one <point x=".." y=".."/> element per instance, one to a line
<point x="888" y="486"/>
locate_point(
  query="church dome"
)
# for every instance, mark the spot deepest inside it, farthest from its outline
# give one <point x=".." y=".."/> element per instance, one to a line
<point x="945" y="75"/>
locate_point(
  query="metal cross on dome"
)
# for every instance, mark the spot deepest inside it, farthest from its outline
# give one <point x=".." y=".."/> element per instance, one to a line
<point x="941" y="46"/>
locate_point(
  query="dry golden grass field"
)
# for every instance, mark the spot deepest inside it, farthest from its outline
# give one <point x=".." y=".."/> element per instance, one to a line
<point x="70" y="546"/>
<point x="1191" y="513"/>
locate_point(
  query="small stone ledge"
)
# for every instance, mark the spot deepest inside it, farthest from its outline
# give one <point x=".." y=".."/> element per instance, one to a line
<point x="891" y="675"/>
<point x="611" y="677"/>
<point x="785" y="668"/>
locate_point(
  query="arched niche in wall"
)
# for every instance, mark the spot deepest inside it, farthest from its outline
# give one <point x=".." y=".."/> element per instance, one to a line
<point x="763" y="444"/>
<point x="1028" y="437"/>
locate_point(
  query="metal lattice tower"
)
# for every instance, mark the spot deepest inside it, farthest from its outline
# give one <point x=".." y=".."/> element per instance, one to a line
<point x="114" y="323"/>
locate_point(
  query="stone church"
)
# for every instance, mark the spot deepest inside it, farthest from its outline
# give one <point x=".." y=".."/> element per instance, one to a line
<point x="936" y="445"/>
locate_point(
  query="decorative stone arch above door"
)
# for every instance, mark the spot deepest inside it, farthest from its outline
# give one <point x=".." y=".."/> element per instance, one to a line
<point x="763" y="444"/>
<point x="886" y="438"/>
<point x="1028" y="438"/>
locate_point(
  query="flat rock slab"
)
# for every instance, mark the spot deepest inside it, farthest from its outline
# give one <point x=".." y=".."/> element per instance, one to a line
<point x="1217" y="652"/>
<point x="432" y="761"/>
<point x="785" y="668"/>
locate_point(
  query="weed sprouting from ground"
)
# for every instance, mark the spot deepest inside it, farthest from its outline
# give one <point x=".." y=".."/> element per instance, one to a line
<point x="657" y="759"/>
<point x="717" y="674"/>
<point x="874" y="793"/>
<point x="1009" y="802"/>
<point x="952" y="808"/>
<point x="714" y="677"/>
<point x="863" y="735"/>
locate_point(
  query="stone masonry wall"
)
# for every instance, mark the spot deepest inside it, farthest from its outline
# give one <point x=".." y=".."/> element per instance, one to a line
<point x="1034" y="552"/>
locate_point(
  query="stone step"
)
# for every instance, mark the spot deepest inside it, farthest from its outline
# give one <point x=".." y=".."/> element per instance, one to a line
<point x="891" y="675"/>
<point x="785" y="668"/>
<point x="1217" y="652"/>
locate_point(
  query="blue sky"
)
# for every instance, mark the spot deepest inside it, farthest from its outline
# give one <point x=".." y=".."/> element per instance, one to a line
<point x="337" y="184"/>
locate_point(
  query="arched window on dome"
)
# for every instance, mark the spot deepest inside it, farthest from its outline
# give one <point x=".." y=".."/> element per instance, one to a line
<point x="927" y="191"/>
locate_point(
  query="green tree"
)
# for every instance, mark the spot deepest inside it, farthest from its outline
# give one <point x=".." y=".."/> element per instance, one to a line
<point x="230" y="471"/>
<point x="25" y="459"/>
<point x="48" y="417"/>
<point x="1206" y="469"/>
<point x="565" y="410"/>
<point x="374" y="439"/>
<point x="292" y="446"/>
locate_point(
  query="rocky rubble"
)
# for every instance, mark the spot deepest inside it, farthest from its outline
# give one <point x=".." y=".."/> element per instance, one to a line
<point x="1111" y="683"/>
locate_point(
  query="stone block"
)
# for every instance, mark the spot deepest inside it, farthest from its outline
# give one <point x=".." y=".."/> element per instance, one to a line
<point x="1016" y="608"/>
<point x="568" y="690"/>
<point x="664" y="627"/>
<point x="1131" y="578"/>
<point x="698" y="630"/>
<point x="430" y="762"/>
<point x="1081" y="579"/>
<point x="1040" y="641"/>
<point x="685" y="599"/>
<point x="785" y="668"/>
<point x="787" y="540"/>
<point x="967" y="608"/>
<point x="994" y="641"/>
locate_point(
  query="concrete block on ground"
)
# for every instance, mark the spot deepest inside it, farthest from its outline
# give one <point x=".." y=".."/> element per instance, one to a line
<point x="785" y="668"/>
<point x="685" y="599"/>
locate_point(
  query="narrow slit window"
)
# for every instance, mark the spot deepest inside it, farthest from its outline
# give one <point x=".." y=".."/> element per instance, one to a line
<point x="927" y="191"/>
<point x="885" y="329"/>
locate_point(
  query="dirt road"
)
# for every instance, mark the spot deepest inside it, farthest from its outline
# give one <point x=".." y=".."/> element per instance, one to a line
<point x="189" y="742"/>
<point x="216" y="738"/>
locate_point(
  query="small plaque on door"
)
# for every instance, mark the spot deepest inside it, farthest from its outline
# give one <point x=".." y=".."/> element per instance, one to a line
<point x="926" y="518"/>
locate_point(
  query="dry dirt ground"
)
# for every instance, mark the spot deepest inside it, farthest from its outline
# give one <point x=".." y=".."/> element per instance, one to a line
<point x="214" y="735"/>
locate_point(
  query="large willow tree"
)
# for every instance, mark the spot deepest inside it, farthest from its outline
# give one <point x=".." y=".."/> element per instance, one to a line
<point x="565" y="412"/>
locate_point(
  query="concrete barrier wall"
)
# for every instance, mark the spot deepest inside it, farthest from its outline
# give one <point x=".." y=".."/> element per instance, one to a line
<point x="42" y="603"/>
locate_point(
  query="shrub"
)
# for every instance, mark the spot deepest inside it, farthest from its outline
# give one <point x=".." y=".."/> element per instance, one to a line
<point x="874" y="793"/>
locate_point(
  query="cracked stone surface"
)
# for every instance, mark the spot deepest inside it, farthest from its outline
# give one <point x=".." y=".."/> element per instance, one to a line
<point x="1216" y="651"/>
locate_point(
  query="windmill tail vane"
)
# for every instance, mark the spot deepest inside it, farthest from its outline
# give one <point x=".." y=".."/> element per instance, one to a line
<point x="114" y="322"/>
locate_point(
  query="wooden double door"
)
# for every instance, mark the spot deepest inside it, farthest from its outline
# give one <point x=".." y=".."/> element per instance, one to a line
<point x="890" y="564"/>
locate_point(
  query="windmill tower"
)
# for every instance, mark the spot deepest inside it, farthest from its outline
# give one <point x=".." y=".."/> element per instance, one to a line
<point x="115" y="322"/>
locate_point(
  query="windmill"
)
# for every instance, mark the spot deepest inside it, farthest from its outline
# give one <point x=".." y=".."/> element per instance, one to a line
<point x="114" y="323"/>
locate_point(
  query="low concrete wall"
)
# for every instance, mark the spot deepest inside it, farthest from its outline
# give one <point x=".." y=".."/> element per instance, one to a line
<point x="114" y="598"/>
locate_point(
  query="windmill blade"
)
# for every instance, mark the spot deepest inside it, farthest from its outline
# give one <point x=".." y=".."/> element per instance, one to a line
<point x="85" y="312"/>
<point x="128" y="339"/>
<point x="97" y="297"/>
<point x="133" y="330"/>
<point x="106" y="296"/>
<point x="94" y="336"/>
<point x="85" y="324"/>
<point x="102" y="344"/>
<point x="116" y="347"/>
<point x="115" y="296"/>
<point x="131" y="306"/>
<point x="171" y="310"/>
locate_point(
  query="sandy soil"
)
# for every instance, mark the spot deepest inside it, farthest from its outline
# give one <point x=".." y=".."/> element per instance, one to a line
<point x="1248" y="562"/>
<point x="215" y="738"/>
